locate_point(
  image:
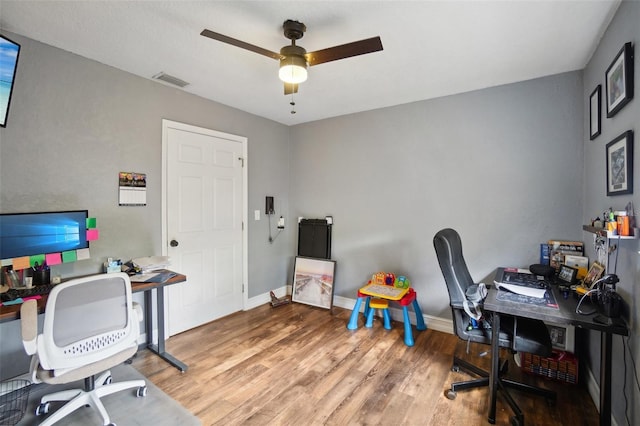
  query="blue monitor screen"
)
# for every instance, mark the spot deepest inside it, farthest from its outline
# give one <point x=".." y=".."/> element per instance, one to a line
<point x="28" y="234"/>
<point x="9" y="52"/>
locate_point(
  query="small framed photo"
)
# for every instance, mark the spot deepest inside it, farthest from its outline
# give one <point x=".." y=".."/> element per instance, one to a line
<point x="620" y="164"/>
<point x="313" y="281"/>
<point x="619" y="80"/>
<point x="594" y="109"/>
<point x="594" y="274"/>
<point x="567" y="274"/>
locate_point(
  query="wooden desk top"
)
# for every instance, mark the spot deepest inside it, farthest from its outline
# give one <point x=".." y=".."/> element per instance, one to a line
<point x="12" y="312"/>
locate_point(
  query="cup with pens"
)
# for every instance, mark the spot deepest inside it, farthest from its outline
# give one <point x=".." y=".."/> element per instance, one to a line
<point x="41" y="274"/>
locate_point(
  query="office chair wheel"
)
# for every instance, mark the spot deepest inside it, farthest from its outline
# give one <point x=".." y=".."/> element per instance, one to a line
<point x="450" y="394"/>
<point x="455" y="368"/>
<point x="141" y="392"/>
<point x="42" y="409"/>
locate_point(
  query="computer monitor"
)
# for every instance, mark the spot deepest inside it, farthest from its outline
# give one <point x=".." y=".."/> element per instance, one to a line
<point x="29" y="234"/>
<point x="9" y="52"/>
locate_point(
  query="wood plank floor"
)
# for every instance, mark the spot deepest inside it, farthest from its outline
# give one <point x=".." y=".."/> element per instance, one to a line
<point x="299" y="365"/>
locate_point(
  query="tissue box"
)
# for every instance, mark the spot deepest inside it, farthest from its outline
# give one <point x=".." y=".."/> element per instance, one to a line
<point x="111" y="269"/>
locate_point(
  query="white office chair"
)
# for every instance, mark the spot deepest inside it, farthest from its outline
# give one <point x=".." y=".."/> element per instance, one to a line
<point x="90" y="325"/>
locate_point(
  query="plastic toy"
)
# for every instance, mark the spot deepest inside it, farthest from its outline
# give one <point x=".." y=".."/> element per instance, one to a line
<point x="402" y="282"/>
<point x="389" y="278"/>
<point x="378" y="278"/>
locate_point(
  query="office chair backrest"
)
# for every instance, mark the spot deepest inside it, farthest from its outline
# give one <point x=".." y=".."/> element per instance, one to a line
<point x="87" y="320"/>
<point x="449" y="251"/>
<point x="457" y="277"/>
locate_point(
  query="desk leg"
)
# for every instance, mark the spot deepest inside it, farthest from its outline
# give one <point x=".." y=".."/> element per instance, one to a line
<point x="148" y="316"/>
<point x="495" y="367"/>
<point x="605" y="379"/>
<point x="160" y="348"/>
<point x="420" y="325"/>
<point x="353" y="321"/>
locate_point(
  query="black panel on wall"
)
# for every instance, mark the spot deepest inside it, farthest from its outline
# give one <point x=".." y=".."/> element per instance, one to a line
<point x="314" y="238"/>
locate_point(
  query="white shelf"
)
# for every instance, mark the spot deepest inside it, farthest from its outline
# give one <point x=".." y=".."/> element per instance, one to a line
<point x="604" y="233"/>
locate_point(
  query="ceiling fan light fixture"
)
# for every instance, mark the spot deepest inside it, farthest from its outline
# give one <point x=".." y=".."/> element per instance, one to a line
<point x="293" y="69"/>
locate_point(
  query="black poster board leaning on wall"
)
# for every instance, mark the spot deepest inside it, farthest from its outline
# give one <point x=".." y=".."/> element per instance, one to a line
<point x="314" y="238"/>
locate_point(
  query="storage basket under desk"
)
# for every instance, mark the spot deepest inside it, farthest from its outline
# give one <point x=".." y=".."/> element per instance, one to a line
<point x="561" y="366"/>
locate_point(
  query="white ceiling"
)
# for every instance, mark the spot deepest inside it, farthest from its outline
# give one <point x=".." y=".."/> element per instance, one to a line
<point x="431" y="48"/>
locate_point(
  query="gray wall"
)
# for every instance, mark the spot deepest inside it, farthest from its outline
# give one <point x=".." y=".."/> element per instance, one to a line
<point x="75" y="123"/>
<point x="503" y="166"/>
<point x="623" y="28"/>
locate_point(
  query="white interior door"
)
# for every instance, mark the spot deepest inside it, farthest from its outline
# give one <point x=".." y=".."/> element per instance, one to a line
<point x="205" y="193"/>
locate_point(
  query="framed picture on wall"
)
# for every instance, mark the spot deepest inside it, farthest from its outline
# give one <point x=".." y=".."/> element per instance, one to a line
<point x="594" y="109"/>
<point x="620" y="164"/>
<point x="619" y="80"/>
<point x="313" y="281"/>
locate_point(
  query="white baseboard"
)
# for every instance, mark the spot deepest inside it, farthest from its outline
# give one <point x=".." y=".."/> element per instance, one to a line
<point x="434" y="323"/>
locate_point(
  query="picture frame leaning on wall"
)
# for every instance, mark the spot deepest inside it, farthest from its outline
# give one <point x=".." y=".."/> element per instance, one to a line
<point x="313" y="281"/>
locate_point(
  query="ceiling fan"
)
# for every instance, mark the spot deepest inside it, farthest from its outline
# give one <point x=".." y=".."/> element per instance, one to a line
<point x="295" y="59"/>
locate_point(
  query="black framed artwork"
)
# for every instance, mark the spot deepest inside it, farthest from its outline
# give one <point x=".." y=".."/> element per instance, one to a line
<point x="619" y="80"/>
<point x="594" y="112"/>
<point x="313" y="281"/>
<point x="620" y="164"/>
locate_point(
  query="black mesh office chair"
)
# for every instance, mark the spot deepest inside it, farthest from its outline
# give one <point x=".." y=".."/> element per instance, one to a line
<point x="517" y="334"/>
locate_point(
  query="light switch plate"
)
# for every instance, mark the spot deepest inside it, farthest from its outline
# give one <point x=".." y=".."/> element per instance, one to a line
<point x="256" y="215"/>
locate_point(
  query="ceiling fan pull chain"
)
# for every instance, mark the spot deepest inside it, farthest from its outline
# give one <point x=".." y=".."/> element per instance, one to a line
<point x="293" y="105"/>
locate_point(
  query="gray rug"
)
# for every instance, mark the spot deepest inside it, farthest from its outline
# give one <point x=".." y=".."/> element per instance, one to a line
<point x="124" y="408"/>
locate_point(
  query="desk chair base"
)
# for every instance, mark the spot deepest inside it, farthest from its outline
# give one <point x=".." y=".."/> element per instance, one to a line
<point x="94" y="390"/>
<point x="503" y="384"/>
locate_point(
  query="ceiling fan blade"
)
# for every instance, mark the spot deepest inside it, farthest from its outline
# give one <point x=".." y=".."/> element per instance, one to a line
<point x="290" y="88"/>
<point x="238" y="43"/>
<point x="370" y="45"/>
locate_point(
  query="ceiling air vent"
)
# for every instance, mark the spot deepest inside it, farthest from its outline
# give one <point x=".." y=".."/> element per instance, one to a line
<point x="170" y="79"/>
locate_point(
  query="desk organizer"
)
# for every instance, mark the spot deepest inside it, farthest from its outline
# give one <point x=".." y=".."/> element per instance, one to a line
<point x="561" y="366"/>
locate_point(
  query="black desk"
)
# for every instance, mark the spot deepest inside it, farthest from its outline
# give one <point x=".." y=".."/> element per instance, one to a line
<point x="566" y="314"/>
<point x="148" y="288"/>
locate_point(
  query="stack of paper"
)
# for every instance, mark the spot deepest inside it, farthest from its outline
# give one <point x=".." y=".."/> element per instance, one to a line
<point x="151" y="263"/>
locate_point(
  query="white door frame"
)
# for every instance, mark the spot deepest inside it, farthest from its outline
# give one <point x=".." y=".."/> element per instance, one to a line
<point x="167" y="124"/>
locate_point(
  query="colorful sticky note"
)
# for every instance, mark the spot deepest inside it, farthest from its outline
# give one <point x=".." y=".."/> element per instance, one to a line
<point x="92" y="234"/>
<point x="36" y="258"/>
<point x="21" y="263"/>
<point x="6" y="262"/>
<point x="53" y="259"/>
<point x="69" y="256"/>
<point x="91" y="222"/>
<point x="83" y="254"/>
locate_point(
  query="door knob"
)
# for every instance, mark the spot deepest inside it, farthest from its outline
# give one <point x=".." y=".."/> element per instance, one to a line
<point x="173" y="243"/>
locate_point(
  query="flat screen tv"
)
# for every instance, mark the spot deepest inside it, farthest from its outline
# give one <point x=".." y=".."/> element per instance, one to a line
<point x="29" y="234"/>
<point x="9" y="52"/>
